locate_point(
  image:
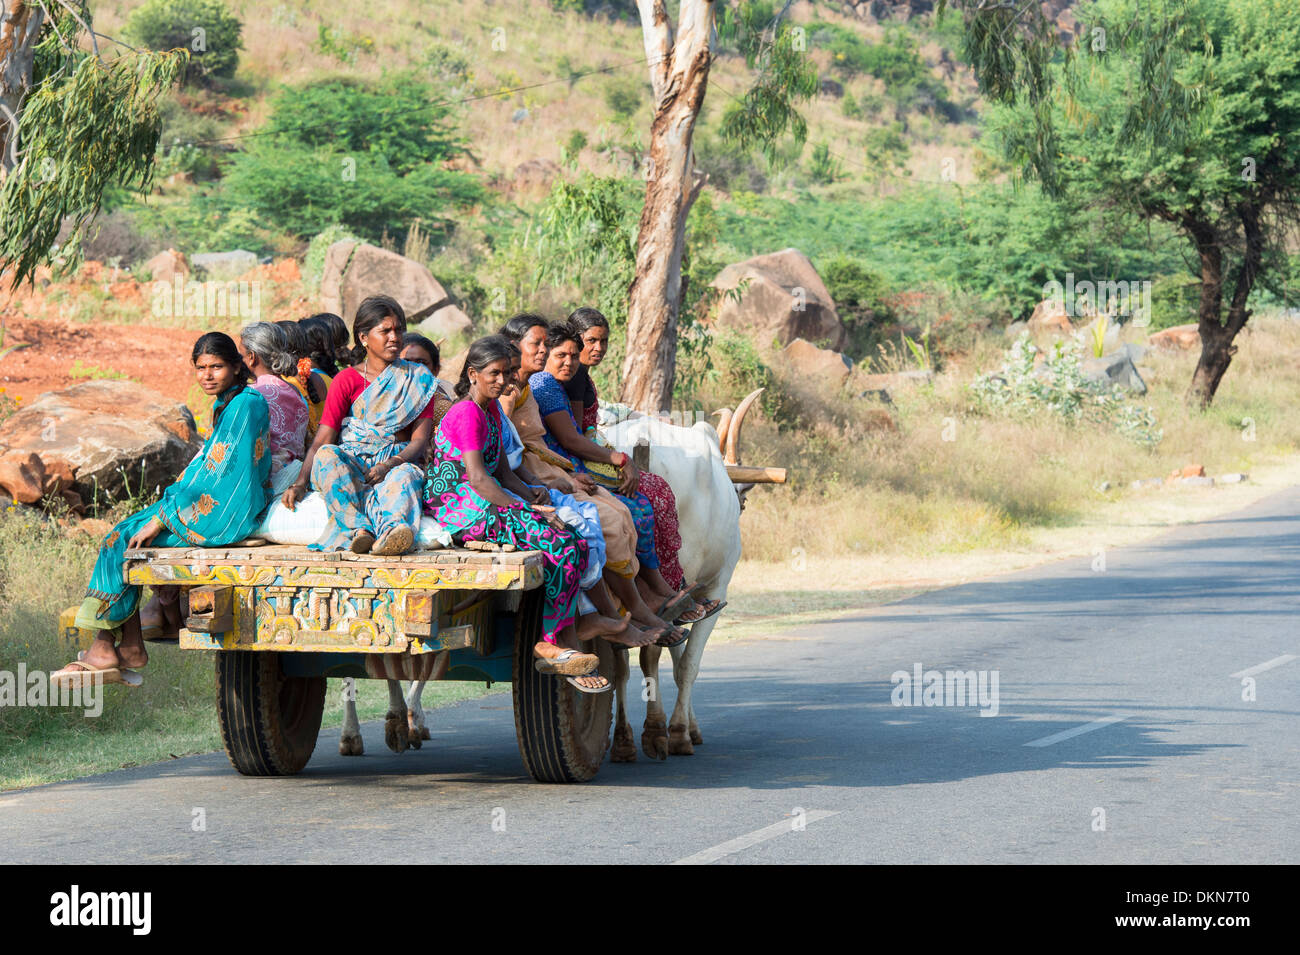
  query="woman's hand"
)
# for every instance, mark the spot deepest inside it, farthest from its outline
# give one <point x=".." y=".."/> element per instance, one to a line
<point x="292" y="496"/>
<point x="630" y="475"/>
<point x="539" y="495"/>
<point x="144" y="535"/>
<point x="583" y="482"/>
<point x="381" y="470"/>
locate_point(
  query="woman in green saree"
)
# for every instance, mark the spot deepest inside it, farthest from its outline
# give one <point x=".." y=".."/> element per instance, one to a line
<point x="216" y="501"/>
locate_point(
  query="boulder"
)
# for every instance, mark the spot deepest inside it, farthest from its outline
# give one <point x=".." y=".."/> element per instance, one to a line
<point x="352" y="275"/>
<point x="785" y="299"/>
<point x="1191" y="471"/>
<point x="446" y="322"/>
<point x="1049" y="318"/>
<point x="1177" y="338"/>
<point x="1016" y="329"/>
<point x="22" y="475"/>
<point x="451" y="367"/>
<point x="1235" y="478"/>
<point x="1117" y="369"/>
<point x="226" y="265"/>
<point x="163" y="266"/>
<point x="534" y="176"/>
<point x="110" y="436"/>
<point x="807" y="361"/>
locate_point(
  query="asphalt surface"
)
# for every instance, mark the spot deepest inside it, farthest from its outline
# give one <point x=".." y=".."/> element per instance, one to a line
<point x="1121" y="736"/>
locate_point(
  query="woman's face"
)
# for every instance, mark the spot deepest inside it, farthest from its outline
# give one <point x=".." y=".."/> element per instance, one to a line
<point x="595" y="342"/>
<point x="532" y="348"/>
<point x="384" y="341"/>
<point x="421" y="357"/>
<point x="490" y="380"/>
<point x="214" y="375"/>
<point x="563" y="361"/>
<point x="249" y="358"/>
<point x="512" y="381"/>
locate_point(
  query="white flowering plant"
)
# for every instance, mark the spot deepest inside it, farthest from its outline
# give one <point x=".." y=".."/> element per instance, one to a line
<point x="1024" y="385"/>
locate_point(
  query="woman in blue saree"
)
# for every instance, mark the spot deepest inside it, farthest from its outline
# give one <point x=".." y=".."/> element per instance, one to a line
<point x="367" y="457"/>
<point x="216" y="501"/>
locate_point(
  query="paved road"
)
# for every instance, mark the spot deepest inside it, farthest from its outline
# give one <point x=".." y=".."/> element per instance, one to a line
<point x="1142" y="661"/>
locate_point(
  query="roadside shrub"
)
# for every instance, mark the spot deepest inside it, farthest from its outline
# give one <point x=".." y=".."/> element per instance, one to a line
<point x="206" y="28"/>
<point x="1022" y="387"/>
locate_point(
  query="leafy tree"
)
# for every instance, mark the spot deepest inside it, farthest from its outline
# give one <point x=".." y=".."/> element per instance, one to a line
<point x="212" y="34"/>
<point x="74" y="124"/>
<point x="370" y="157"/>
<point x="1186" y="113"/>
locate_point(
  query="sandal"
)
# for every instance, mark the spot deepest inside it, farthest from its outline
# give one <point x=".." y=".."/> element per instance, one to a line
<point x="605" y="688"/>
<point x="671" y="604"/>
<point x="705" y="610"/>
<point x="91" y="674"/>
<point x="567" y="663"/>
<point x="675" y="637"/>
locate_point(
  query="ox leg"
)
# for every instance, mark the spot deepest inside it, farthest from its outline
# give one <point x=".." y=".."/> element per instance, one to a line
<point x="397" y="734"/>
<point x="415" y="712"/>
<point x="654" y="735"/>
<point x="350" y="739"/>
<point x="623" y="749"/>
<point x="682" y="729"/>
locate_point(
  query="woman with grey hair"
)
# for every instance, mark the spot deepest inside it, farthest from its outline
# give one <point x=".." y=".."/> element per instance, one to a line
<point x="265" y="351"/>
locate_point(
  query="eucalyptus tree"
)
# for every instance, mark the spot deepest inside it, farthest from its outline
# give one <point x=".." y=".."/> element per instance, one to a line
<point x="75" y="119"/>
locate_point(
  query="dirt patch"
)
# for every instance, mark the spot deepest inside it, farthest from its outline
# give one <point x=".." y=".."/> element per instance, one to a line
<point x="156" y="357"/>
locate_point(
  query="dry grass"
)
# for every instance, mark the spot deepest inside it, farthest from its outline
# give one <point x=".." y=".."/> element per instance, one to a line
<point x="999" y="481"/>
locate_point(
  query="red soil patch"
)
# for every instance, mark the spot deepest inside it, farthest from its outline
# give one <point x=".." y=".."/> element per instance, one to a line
<point x="156" y="357"/>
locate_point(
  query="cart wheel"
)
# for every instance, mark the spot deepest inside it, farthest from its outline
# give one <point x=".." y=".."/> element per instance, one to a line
<point x="563" y="733"/>
<point x="269" y="722"/>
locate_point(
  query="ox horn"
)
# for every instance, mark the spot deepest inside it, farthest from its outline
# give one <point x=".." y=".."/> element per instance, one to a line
<point x="723" y="425"/>
<point x="732" y="455"/>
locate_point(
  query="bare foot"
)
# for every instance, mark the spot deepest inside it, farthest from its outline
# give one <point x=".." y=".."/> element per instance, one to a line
<point x="593" y="625"/>
<point x="101" y="654"/>
<point x="635" y="637"/>
<point x="592" y="681"/>
<point x="132" y="656"/>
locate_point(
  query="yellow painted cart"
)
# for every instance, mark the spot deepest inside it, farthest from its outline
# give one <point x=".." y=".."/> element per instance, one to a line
<point x="282" y="619"/>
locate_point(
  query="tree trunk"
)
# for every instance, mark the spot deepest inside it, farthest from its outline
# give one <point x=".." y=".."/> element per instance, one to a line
<point x="20" y="23"/>
<point x="1217" y="337"/>
<point x="679" y="73"/>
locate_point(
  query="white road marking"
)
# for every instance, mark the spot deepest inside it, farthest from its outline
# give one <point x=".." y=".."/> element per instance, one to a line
<point x="1267" y="665"/>
<point x="1078" y="730"/>
<point x="752" y="839"/>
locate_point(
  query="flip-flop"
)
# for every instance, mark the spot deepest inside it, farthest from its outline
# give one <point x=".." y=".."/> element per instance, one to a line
<point x="72" y="679"/>
<point x="667" y="641"/>
<point x="590" y="689"/>
<point x="672" y="603"/>
<point x="708" y="612"/>
<point x="567" y="663"/>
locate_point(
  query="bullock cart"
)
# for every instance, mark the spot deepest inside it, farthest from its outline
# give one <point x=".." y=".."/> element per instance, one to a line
<point x="281" y="619"/>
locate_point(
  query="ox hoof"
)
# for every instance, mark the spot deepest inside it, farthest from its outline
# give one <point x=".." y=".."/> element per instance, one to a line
<point x="624" y="748"/>
<point x="696" y="738"/>
<point x="351" y="746"/>
<point x="679" y="744"/>
<point x="416" y="727"/>
<point x="654" y="742"/>
<point x="397" y="736"/>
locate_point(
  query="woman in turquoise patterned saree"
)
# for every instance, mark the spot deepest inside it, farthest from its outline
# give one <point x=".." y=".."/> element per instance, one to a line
<point x="216" y="501"/>
<point x="367" y="457"/>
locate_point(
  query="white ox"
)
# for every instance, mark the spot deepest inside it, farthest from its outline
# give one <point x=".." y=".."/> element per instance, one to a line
<point x="694" y="461"/>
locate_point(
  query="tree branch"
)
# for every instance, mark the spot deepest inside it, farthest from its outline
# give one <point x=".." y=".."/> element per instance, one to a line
<point x="657" y="37"/>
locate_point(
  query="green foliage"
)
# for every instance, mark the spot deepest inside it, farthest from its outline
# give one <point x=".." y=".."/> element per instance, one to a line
<point x="884" y="147"/>
<point x="367" y="156"/>
<point x="313" y="263"/>
<point x="1022" y="387"/>
<point x="823" y="168"/>
<point x="765" y="115"/>
<point x="211" y="33"/>
<point x="333" y="42"/>
<point x="624" y="98"/>
<point x="896" y="63"/>
<point x="1174" y="301"/>
<point x="89" y="125"/>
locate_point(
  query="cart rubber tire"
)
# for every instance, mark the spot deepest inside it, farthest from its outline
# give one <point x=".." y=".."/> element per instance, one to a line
<point x="269" y="722"/>
<point x="563" y="733"/>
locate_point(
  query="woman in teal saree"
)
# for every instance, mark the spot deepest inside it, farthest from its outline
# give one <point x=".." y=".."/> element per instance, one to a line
<point x="216" y="501"/>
